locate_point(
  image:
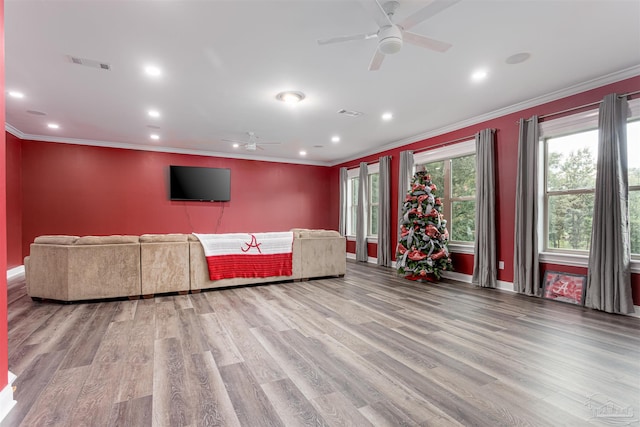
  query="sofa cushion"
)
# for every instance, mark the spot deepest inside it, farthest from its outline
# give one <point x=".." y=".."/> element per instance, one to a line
<point x="56" y="240"/>
<point x="107" y="240"/>
<point x="311" y="234"/>
<point x="162" y="238"/>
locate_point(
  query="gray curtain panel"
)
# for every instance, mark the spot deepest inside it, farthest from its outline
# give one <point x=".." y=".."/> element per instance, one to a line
<point x="343" y="201"/>
<point x="384" y="212"/>
<point x="609" y="277"/>
<point x="404" y="181"/>
<point x="484" y="262"/>
<point x="363" y="208"/>
<point x="526" y="272"/>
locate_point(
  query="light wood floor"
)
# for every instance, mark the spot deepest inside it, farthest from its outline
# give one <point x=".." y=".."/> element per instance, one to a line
<point x="366" y="349"/>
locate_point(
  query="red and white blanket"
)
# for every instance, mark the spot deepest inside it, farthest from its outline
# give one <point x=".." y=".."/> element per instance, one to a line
<point x="248" y="254"/>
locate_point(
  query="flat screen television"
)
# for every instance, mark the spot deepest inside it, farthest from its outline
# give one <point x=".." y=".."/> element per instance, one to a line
<point x="199" y="183"/>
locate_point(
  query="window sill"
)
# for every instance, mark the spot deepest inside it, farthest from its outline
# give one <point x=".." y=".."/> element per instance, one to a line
<point x="577" y="260"/>
<point x="369" y="239"/>
<point x="461" y="249"/>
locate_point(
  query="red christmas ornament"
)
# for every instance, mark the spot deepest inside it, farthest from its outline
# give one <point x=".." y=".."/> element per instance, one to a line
<point x="431" y="231"/>
<point x="415" y="255"/>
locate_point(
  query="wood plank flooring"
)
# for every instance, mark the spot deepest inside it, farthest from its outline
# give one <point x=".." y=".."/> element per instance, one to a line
<point x="368" y="349"/>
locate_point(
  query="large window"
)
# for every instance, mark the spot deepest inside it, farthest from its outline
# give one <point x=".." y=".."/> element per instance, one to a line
<point x="633" y="147"/>
<point x="570" y="165"/>
<point x="352" y="205"/>
<point x="453" y="171"/>
<point x="353" y="189"/>
<point x="570" y="183"/>
<point x="373" y="205"/>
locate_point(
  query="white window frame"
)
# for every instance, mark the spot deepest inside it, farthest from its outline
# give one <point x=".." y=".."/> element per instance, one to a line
<point x="461" y="149"/>
<point x="574" y="123"/>
<point x="351" y="174"/>
<point x="373" y="169"/>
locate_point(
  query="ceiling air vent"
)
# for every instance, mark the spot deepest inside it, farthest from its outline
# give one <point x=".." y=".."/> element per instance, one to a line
<point x="89" y="63"/>
<point x="349" y="113"/>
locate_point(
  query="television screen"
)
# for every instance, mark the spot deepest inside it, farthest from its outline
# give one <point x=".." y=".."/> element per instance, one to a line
<point x="199" y="183"/>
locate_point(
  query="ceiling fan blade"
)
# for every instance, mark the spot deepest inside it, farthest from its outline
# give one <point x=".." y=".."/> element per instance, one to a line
<point x="268" y="143"/>
<point x="377" y="12"/>
<point x="376" y="61"/>
<point x="340" y="39"/>
<point x="426" y="42"/>
<point x="433" y="8"/>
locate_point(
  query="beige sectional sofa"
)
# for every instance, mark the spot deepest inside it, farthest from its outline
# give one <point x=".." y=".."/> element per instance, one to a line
<point x="73" y="268"/>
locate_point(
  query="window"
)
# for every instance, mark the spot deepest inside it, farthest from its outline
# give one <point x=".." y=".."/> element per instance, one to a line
<point x="373" y="205"/>
<point x="633" y="150"/>
<point x="569" y="152"/>
<point x="453" y="171"/>
<point x="352" y="200"/>
<point x="570" y="181"/>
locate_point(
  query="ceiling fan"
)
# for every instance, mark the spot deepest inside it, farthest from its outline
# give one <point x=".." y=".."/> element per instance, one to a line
<point x="252" y="145"/>
<point x="390" y="35"/>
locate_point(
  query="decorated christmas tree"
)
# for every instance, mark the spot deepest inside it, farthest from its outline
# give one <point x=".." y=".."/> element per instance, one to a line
<point x="422" y="249"/>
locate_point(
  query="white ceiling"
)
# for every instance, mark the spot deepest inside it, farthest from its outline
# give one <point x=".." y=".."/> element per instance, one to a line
<point x="223" y="63"/>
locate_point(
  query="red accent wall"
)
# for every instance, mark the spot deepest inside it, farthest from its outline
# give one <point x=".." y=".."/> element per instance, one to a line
<point x="4" y="349"/>
<point x="83" y="190"/>
<point x="14" y="201"/>
<point x="506" y="156"/>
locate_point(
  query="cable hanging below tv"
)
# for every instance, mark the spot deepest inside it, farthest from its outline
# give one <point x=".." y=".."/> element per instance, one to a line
<point x="201" y="184"/>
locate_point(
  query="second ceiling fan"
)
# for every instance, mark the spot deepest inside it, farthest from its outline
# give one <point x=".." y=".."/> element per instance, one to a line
<point x="391" y="36"/>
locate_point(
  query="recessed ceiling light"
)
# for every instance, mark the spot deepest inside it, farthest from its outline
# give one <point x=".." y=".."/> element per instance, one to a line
<point x="335" y="138"/>
<point x="15" y="94"/>
<point x="290" y="97"/>
<point x="387" y="116"/>
<point x="154" y="113"/>
<point x="53" y="126"/>
<point x="518" y="58"/>
<point x="303" y="153"/>
<point x="236" y="145"/>
<point x="154" y="136"/>
<point x="152" y="70"/>
<point x="479" y="75"/>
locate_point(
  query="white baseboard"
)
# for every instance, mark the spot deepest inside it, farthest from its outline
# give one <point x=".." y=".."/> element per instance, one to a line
<point x="505" y="286"/>
<point x="15" y="272"/>
<point x="6" y="397"/>
<point x="370" y="260"/>
<point x="636" y="311"/>
<point x="466" y="278"/>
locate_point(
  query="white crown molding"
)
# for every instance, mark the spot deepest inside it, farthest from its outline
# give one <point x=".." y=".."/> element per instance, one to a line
<point x="142" y="147"/>
<point x="520" y="106"/>
<point x="13" y="131"/>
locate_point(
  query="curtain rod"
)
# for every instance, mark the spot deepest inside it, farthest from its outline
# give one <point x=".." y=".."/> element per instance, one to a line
<point x="580" y="107"/>
<point x="440" y="144"/>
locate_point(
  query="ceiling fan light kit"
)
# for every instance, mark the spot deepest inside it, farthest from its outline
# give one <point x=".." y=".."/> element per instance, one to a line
<point x="391" y="36"/>
<point x="390" y="40"/>
<point x="252" y="145"/>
